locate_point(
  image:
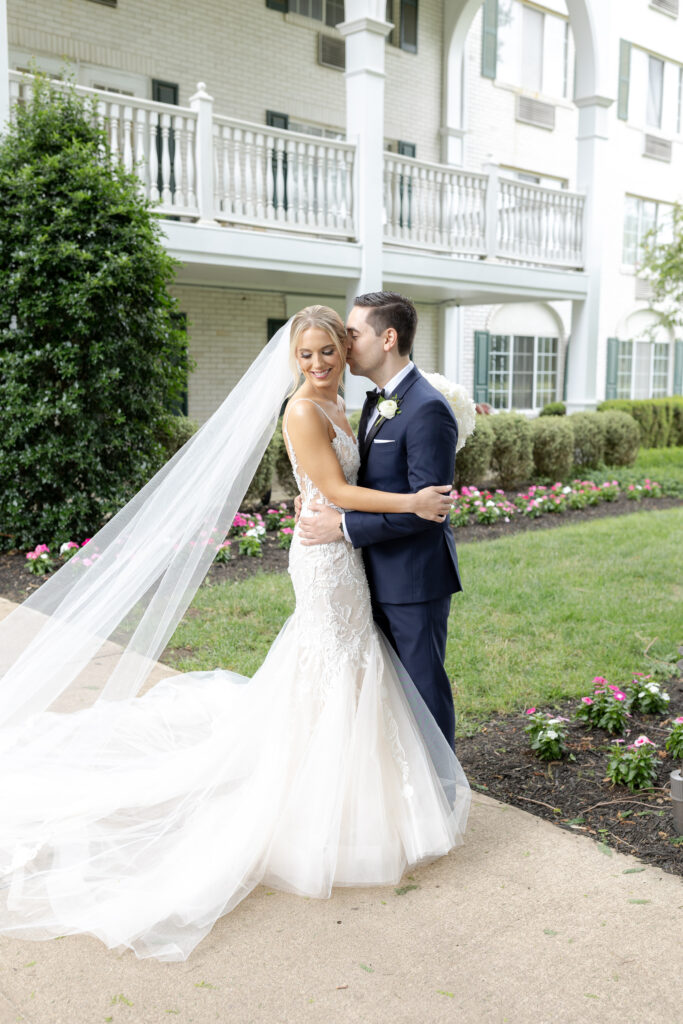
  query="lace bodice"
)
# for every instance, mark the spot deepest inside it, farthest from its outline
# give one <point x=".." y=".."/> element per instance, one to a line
<point x="345" y="449"/>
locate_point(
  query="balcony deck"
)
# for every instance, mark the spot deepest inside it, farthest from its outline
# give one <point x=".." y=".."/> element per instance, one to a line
<point x="276" y="208"/>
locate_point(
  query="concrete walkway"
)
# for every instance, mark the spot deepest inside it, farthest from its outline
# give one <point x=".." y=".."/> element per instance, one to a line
<point x="524" y="923"/>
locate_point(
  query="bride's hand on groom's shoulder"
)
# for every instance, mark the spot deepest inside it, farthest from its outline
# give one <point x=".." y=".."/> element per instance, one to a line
<point x="433" y="503"/>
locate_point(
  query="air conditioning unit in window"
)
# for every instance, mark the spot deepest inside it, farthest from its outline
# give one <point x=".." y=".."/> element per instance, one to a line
<point x="530" y="111"/>
<point x="331" y="52"/>
<point x="668" y="6"/>
<point x="659" y="149"/>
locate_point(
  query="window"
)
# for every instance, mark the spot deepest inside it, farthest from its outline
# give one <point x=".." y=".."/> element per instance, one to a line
<point x="642" y="369"/>
<point x="403" y="16"/>
<point x="331" y="12"/>
<point x="679" y="123"/>
<point x="655" y="90"/>
<point x="527" y="47"/>
<point x="641" y="216"/>
<point x="522" y="371"/>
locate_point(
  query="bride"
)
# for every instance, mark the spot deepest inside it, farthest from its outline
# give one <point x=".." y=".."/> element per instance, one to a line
<point x="141" y="820"/>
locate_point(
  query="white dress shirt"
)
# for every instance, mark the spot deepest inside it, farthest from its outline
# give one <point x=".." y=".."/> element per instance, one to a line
<point x="389" y="389"/>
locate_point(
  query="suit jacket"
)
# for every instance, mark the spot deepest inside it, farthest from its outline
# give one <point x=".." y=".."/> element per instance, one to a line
<point x="408" y="559"/>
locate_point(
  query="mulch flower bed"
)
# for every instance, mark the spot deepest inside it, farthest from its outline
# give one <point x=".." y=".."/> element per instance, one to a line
<point x="575" y="793"/>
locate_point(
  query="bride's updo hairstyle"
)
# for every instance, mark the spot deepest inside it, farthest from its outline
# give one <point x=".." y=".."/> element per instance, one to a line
<point x="325" y="319"/>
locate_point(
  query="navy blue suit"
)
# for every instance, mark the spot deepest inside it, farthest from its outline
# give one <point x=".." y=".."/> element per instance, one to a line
<point x="411" y="563"/>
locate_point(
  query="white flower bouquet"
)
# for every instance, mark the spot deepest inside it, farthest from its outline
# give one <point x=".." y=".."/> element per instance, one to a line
<point x="460" y="402"/>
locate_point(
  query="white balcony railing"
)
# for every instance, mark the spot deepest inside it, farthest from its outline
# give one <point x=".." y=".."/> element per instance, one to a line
<point x="196" y="165"/>
<point x="281" y="178"/>
<point x="435" y="206"/>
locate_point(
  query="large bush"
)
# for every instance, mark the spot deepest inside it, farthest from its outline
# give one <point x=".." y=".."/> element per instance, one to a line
<point x="554" y="409"/>
<point x="622" y="438"/>
<point x="660" y="419"/>
<point x="473" y="461"/>
<point x="512" y="452"/>
<point x="588" y="429"/>
<point x="553" y="446"/>
<point x="90" y="353"/>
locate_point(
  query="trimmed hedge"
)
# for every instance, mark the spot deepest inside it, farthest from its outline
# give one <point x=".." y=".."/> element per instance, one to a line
<point x="589" y="439"/>
<point x="554" y="409"/>
<point x="660" y="419"/>
<point x="553" y="446"/>
<point x="512" y="456"/>
<point x="473" y="461"/>
<point x="622" y="438"/>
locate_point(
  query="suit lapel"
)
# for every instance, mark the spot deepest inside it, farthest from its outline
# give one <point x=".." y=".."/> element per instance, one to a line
<point x="402" y="388"/>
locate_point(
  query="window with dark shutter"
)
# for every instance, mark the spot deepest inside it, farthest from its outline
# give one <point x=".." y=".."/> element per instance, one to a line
<point x="408" y="26"/>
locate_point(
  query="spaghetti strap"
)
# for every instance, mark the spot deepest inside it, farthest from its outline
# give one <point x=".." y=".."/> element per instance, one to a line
<point x="304" y="399"/>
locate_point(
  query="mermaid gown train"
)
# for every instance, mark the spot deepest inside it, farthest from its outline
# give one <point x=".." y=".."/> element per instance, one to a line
<point x="142" y="821"/>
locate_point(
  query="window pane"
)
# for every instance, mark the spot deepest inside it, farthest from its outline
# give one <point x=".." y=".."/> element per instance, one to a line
<point x="624" y="369"/>
<point x="641" y="382"/>
<point x="655" y="83"/>
<point x="631" y="213"/>
<point x="546" y="371"/>
<point x="523" y="372"/>
<point x="334" y="12"/>
<point x="409" y="25"/>
<point x="499" y="371"/>
<point x="309" y="8"/>
<point x="660" y="369"/>
<point x="532" y="49"/>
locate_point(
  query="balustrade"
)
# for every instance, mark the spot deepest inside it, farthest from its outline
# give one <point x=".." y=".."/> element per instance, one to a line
<point x="196" y="165"/>
<point x="285" y="179"/>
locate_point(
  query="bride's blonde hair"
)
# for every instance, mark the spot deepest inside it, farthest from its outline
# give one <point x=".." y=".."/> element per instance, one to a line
<point x="325" y="319"/>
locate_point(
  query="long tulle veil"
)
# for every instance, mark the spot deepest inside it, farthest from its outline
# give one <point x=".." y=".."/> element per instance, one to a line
<point x="107" y="614"/>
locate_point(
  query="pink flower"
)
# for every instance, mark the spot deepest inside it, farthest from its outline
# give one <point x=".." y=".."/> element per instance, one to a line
<point x="587" y="700"/>
<point x="599" y="679"/>
<point x="530" y="711"/>
<point x="40" y="548"/>
<point x="641" y="741"/>
<point x="679" y="720"/>
<point x="31" y="555"/>
<point x="287" y="529"/>
<point x="86" y="541"/>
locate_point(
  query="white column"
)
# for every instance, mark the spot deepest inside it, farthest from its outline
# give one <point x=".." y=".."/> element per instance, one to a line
<point x="4" y="66"/>
<point x="451" y="335"/>
<point x="365" y="31"/>
<point x="586" y="355"/>
<point x="202" y="103"/>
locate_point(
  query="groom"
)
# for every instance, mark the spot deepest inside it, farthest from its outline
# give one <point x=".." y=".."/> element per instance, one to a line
<point x="407" y="436"/>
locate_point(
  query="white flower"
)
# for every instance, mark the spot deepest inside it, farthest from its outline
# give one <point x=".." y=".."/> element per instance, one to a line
<point x="387" y="408"/>
<point x="254" y="532"/>
<point x="490" y="504"/>
<point x="554" y="721"/>
<point x="460" y="402"/>
<point x="551" y="734"/>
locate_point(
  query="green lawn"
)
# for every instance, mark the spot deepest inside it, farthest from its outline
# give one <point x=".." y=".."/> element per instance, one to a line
<point x="542" y="613"/>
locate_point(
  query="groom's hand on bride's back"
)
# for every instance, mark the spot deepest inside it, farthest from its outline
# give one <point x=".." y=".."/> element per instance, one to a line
<point x="297" y="508"/>
<point x="321" y="528"/>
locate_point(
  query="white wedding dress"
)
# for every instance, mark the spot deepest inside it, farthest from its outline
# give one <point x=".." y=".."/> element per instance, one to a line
<point x="141" y="821"/>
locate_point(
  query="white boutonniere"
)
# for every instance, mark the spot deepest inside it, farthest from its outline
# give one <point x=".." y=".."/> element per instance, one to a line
<point x="389" y="407"/>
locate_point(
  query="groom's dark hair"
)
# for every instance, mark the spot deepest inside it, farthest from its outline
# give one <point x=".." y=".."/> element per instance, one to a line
<point x="389" y="309"/>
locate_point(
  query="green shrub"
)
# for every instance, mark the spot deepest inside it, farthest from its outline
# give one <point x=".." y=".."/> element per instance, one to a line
<point x="554" y="409"/>
<point x="354" y="420"/>
<point x="553" y="446"/>
<point x="173" y="432"/>
<point x="90" y="353"/>
<point x="622" y="438"/>
<point x="512" y="453"/>
<point x="588" y="429"/>
<point x="473" y="461"/>
<point x="260" y="487"/>
<point x="660" y="419"/>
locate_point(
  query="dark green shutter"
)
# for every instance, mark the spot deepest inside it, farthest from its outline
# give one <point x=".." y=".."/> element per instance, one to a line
<point x="481" y="366"/>
<point x="408" y="26"/>
<point x="612" y="364"/>
<point x="489" y="38"/>
<point x="565" y="374"/>
<point x="624" y="79"/>
<point x="278" y="5"/>
<point x="678" y="368"/>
